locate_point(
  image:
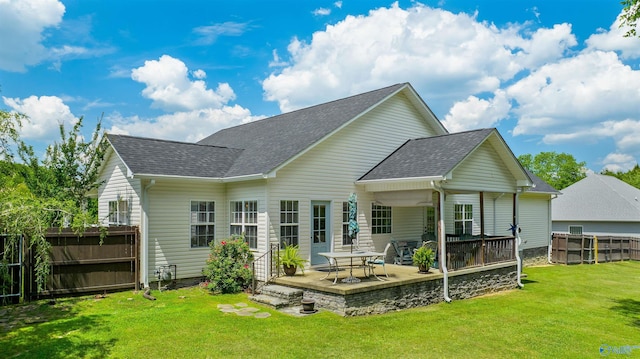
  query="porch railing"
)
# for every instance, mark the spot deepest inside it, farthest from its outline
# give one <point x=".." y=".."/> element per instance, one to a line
<point x="265" y="268"/>
<point x="474" y="252"/>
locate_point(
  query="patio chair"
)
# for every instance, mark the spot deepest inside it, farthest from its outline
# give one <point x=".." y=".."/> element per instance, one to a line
<point x="404" y="253"/>
<point x="379" y="260"/>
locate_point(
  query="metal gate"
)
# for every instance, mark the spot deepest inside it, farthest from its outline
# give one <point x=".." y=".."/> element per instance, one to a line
<point x="10" y="268"/>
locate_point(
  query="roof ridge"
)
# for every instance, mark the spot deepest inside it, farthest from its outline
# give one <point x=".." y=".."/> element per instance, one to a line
<point x="601" y="177"/>
<point x="168" y="141"/>
<point x="306" y="108"/>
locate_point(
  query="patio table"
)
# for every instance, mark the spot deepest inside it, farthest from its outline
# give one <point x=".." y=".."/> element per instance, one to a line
<point x="363" y="255"/>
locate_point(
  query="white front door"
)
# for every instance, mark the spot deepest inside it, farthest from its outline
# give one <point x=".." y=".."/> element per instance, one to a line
<point x="320" y="230"/>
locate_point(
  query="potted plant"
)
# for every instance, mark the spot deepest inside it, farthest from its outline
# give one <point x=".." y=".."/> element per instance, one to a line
<point x="291" y="260"/>
<point x="424" y="257"/>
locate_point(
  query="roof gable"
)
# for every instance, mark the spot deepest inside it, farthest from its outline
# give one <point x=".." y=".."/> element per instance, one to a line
<point x="146" y="156"/>
<point x="271" y="142"/>
<point x="598" y="198"/>
<point x="428" y="157"/>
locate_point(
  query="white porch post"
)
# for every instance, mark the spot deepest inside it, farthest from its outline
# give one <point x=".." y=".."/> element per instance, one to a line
<point x="443" y="245"/>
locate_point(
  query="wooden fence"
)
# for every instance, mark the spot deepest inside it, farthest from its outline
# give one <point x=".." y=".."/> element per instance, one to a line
<point x="577" y="249"/>
<point x="78" y="264"/>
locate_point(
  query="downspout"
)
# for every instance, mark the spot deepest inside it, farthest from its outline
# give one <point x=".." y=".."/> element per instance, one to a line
<point x="518" y="239"/>
<point x="443" y="246"/>
<point x="145" y="234"/>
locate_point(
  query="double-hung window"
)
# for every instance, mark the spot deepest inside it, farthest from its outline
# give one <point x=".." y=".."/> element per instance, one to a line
<point x="244" y="221"/>
<point x="203" y="223"/>
<point x="119" y="212"/>
<point x="463" y="219"/>
<point x="380" y="219"/>
<point x="289" y="223"/>
<point x="346" y="238"/>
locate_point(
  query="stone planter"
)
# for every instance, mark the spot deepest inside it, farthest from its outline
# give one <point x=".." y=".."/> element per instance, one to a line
<point x="308" y="306"/>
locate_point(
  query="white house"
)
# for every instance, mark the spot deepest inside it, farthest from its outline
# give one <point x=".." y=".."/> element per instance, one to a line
<point x="287" y="179"/>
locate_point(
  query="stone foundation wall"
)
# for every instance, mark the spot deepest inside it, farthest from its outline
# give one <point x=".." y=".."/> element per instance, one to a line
<point x="471" y="283"/>
<point x="535" y="256"/>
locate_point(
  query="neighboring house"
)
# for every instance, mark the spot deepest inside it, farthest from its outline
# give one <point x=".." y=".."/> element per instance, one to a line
<point x="288" y="178"/>
<point x="600" y="205"/>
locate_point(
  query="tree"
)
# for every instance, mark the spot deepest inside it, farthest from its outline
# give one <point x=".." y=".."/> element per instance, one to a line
<point x="560" y="170"/>
<point x="10" y="122"/>
<point x="37" y="195"/>
<point x="630" y="16"/>
<point x="70" y="168"/>
<point x="631" y="177"/>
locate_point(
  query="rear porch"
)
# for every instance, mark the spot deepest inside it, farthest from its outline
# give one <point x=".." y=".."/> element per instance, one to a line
<point x="404" y="288"/>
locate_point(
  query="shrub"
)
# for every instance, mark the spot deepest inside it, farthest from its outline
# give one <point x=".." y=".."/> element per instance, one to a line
<point x="227" y="268"/>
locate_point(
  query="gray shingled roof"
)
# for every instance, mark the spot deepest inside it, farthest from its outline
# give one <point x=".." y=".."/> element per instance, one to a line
<point x="430" y="156"/>
<point x="598" y="198"/>
<point x="271" y="142"/>
<point x="171" y="158"/>
<point x="539" y="185"/>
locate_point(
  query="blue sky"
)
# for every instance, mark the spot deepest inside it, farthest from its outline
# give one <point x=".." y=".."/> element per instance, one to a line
<point x="550" y="75"/>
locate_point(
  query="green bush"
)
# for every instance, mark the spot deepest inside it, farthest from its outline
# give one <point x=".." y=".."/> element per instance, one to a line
<point x="227" y="269"/>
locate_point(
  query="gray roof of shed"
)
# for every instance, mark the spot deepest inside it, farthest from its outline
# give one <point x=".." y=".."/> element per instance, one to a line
<point x="170" y="158"/>
<point x="270" y="142"/>
<point x="598" y="198"/>
<point x="428" y="157"/>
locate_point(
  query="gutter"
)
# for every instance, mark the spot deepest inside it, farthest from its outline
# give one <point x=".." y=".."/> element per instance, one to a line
<point x="443" y="247"/>
<point x="145" y="234"/>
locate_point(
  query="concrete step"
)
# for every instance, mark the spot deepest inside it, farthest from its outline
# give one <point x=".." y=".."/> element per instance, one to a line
<point x="279" y="291"/>
<point x="278" y="296"/>
<point x="276" y="303"/>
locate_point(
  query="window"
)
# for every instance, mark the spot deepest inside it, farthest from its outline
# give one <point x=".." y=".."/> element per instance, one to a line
<point x="119" y="212"/>
<point x="346" y="239"/>
<point x="289" y="223"/>
<point x="203" y="223"/>
<point x="430" y="221"/>
<point x="575" y="229"/>
<point x="244" y="221"/>
<point x="463" y="219"/>
<point x="380" y="219"/>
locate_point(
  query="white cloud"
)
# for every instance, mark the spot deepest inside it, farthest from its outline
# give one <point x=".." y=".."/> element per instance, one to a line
<point x="45" y="114"/>
<point x="338" y="4"/>
<point x="169" y="86"/>
<point x="322" y="12"/>
<point x="619" y="162"/>
<point x="209" y="34"/>
<point x="614" y="40"/>
<point x="195" y="110"/>
<point x="432" y="48"/>
<point x="477" y="113"/>
<point x="22" y="23"/>
<point x="187" y="126"/>
<point x="575" y="93"/>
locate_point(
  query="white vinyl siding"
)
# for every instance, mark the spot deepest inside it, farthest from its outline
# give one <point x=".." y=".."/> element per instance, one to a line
<point x="327" y="172"/>
<point x="170" y="224"/>
<point x="534" y="220"/>
<point x="117" y="187"/>
<point x="483" y="170"/>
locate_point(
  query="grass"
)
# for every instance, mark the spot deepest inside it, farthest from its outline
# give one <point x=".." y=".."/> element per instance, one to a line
<point x="563" y="311"/>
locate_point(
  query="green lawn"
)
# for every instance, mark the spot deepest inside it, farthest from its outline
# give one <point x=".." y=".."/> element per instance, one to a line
<point x="563" y="311"/>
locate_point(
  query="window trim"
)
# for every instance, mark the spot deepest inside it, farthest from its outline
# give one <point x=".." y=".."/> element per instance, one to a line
<point x="244" y="221"/>
<point x="381" y="227"/>
<point x="122" y="218"/>
<point x="206" y="223"/>
<point x="290" y="224"/>
<point x="576" y="226"/>
<point x="465" y="219"/>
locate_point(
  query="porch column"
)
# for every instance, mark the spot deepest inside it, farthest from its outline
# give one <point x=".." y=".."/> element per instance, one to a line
<point x="482" y="215"/>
